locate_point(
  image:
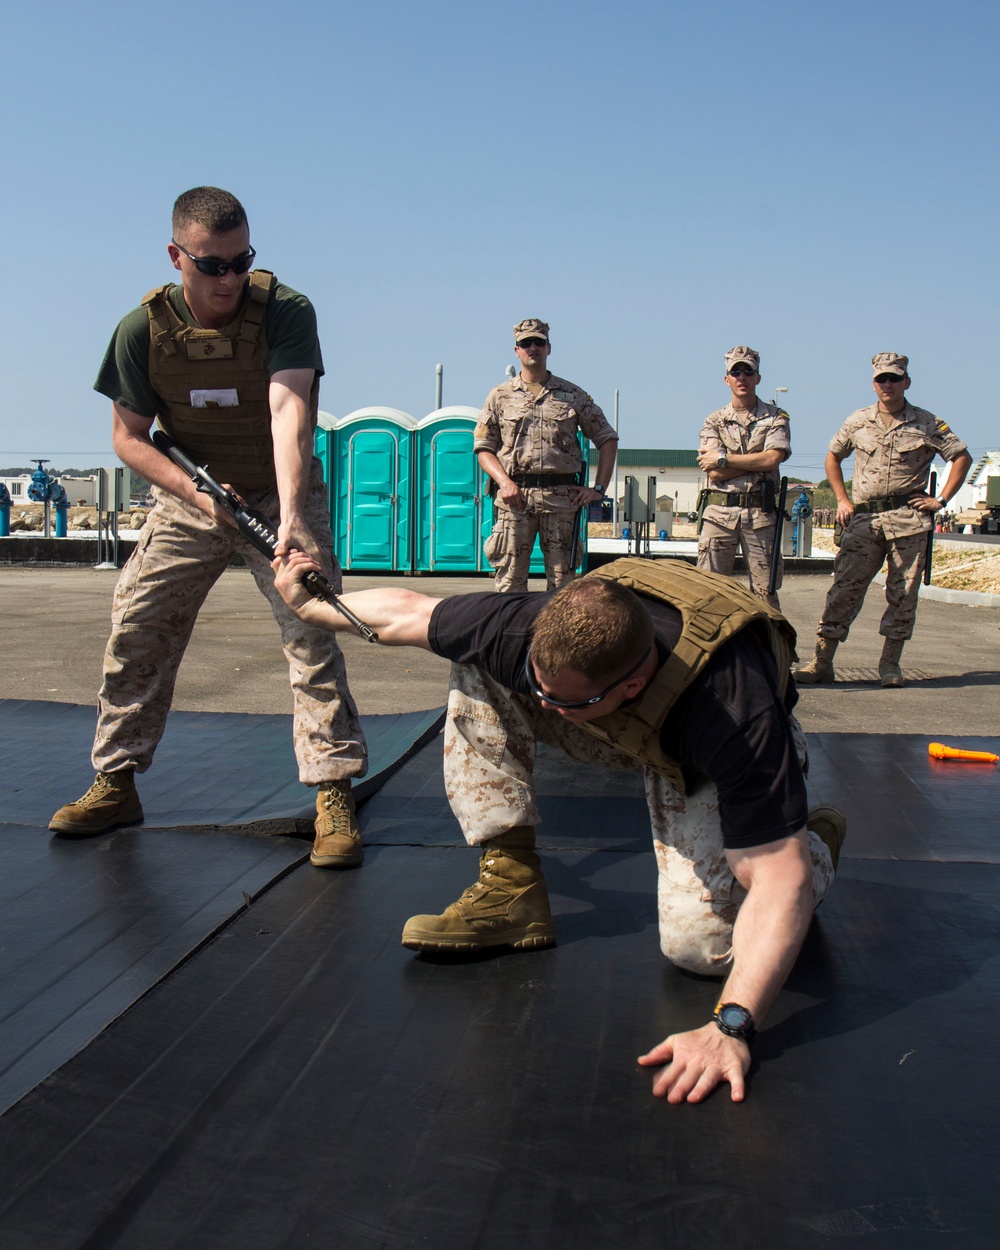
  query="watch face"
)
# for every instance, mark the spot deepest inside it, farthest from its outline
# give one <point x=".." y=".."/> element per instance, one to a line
<point x="735" y="1021"/>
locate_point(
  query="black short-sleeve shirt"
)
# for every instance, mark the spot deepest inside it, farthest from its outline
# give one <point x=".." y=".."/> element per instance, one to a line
<point x="730" y="726"/>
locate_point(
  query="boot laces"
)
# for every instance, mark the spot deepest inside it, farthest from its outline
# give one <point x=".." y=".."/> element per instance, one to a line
<point x="335" y="801"/>
<point x="486" y="879"/>
<point x="103" y="782"/>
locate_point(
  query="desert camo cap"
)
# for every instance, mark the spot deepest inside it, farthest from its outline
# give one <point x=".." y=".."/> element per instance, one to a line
<point x="531" y="328"/>
<point x="743" y="356"/>
<point x="890" y="362"/>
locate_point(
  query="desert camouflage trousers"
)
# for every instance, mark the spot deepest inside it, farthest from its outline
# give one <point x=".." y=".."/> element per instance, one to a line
<point x="863" y="550"/>
<point x="489" y="755"/>
<point x="728" y="530"/>
<point x="510" y="545"/>
<point x="180" y="555"/>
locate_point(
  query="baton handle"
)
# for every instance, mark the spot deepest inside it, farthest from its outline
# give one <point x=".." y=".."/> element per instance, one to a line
<point x="779" y="525"/>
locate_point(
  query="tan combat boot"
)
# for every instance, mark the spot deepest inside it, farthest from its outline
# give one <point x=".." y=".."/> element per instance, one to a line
<point x="820" y="671"/>
<point x="829" y="824"/>
<point x="889" y="672"/>
<point x="507" y="906"/>
<point x="338" y="843"/>
<point x="111" y="801"/>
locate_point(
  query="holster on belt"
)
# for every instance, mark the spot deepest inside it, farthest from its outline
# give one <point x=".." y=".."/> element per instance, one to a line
<point x="704" y="498"/>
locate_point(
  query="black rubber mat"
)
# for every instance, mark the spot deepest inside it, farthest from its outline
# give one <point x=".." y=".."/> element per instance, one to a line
<point x="304" y="1080"/>
<point x="89" y="926"/>
<point x="211" y="769"/>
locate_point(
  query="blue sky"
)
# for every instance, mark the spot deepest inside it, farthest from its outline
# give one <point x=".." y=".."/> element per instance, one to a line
<point x="660" y="181"/>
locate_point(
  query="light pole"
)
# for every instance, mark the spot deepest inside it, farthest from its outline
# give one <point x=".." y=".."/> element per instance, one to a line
<point x="779" y="390"/>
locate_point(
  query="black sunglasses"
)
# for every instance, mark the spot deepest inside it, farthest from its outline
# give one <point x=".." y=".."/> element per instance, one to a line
<point x="532" y="342"/>
<point x="213" y="267"/>
<point x="742" y="371"/>
<point x="575" y="706"/>
<point x="884" y="379"/>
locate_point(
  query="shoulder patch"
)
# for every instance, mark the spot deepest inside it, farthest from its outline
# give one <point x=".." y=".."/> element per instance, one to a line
<point x="942" y="426"/>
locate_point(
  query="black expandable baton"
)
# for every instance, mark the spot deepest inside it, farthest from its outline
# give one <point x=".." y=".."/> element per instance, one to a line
<point x="255" y="527"/>
<point x="574" y="550"/>
<point x="778" y="527"/>
<point x="930" y="533"/>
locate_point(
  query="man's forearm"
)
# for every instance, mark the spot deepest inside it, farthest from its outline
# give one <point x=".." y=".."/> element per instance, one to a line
<point x="606" y="462"/>
<point x="770" y="928"/>
<point x="401" y="618"/>
<point x="133" y="446"/>
<point x="292" y="440"/>
<point x="835" y="476"/>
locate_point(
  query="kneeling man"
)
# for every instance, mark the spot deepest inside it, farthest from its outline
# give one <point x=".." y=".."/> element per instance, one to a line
<point x="655" y="667"/>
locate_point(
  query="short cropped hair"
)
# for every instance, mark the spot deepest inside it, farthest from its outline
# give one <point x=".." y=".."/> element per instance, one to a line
<point x="592" y="626"/>
<point x="213" y="209"/>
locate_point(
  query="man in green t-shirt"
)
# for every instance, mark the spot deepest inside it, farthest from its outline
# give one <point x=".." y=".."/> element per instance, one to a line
<point x="229" y="364"/>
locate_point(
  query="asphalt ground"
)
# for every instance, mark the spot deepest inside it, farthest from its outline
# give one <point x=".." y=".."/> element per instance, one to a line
<point x="55" y="625"/>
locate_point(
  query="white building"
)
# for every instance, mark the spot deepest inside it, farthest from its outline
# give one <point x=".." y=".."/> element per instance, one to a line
<point x="78" y="489"/>
<point x="974" y="490"/>
<point x="678" y="477"/>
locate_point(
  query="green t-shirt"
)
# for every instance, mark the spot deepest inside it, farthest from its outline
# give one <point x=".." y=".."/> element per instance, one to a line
<point x="289" y="325"/>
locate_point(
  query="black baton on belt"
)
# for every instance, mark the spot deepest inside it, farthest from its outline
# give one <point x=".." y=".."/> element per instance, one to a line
<point x="255" y="527"/>
<point x="778" y="526"/>
<point x="574" y="550"/>
<point x="930" y="534"/>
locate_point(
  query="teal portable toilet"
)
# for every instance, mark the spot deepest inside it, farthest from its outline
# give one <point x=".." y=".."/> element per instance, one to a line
<point x="371" y="489"/>
<point x="453" y="514"/>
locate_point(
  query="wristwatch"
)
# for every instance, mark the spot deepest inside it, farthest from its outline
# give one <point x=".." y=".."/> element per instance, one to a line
<point x="722" y="462"/>
<point x="734" y="1021"/>
<point x="599" y="487"/>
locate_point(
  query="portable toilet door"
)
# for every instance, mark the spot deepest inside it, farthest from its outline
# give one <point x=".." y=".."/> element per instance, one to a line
<point x="449" y="499"/>
<point x="371" y="501"/>
<point x="323" y="450"/>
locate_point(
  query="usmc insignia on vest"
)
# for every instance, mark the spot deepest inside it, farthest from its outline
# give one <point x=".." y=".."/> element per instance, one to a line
<point x="220" y="348"/>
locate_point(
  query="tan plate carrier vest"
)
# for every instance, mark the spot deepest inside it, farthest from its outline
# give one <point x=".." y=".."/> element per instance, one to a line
<point x="235" y="443"/>
<point x="713" y="608"/>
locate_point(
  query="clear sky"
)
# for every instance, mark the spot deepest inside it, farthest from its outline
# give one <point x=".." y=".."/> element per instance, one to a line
<point x="658" y="180"/>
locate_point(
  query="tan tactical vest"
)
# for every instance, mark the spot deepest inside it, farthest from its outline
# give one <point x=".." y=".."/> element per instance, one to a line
<point x="234" y="442"/>
<point x="713" y="608"/>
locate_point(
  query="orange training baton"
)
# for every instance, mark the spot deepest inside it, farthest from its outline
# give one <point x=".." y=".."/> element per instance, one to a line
<point x="941" y="752"/>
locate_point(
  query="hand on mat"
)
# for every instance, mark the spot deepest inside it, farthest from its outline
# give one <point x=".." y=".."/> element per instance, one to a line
<point x="696" y="1062"/>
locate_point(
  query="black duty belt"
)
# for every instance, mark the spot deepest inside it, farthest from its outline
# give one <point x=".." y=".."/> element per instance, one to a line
<point x="544" y="479"/>
<point x="886" y="504"/>
<point x="733" y="499"/>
